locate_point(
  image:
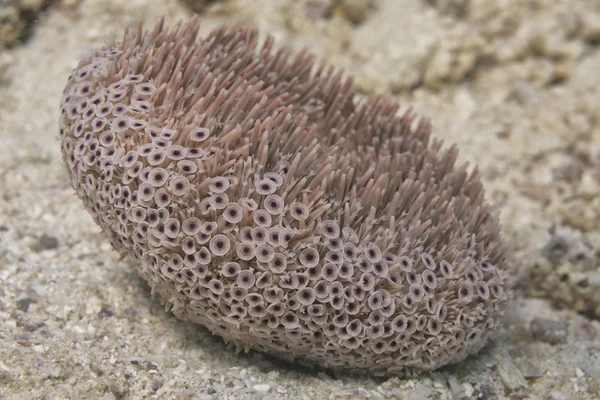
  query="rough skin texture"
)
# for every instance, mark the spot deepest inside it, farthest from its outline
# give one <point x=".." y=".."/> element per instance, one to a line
<point x="263" y="200"/>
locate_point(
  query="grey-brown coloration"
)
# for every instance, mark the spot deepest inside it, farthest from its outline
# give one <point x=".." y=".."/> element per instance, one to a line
<point x="261" y="199"/>
<point x="16" y="20"/>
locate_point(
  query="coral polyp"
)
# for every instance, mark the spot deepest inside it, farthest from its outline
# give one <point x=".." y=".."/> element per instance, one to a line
<point x="262" y="198"/>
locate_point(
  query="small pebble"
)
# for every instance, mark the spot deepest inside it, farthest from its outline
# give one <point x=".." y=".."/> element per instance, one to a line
<point x="23" y="304"/>
<point x="40" y="290"/>
<point x="549" y="331"/>
<point x="105" y="312"/>
<point x="529" y="369"/>
<point x="454" y="385"/>
<point x="354" y="10"/>
<point x="47" y="242"/>
<point x="261" y="387"/>
<point x="151" y="366"/>
<point x="468" y="388"/>
<point x="156" y="384"/>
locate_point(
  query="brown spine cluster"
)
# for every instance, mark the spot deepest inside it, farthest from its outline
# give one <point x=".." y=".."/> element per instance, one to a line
<point x="261" y="199"/>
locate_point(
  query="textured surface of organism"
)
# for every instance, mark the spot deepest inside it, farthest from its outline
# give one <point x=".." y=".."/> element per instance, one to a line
<point x="262" y="199"/>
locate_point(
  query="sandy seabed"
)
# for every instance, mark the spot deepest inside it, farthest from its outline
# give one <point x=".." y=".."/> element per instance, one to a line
<point x="514" y="83"/>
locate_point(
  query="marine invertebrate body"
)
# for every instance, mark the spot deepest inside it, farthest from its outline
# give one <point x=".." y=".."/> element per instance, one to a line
<point x="262" y="199"/>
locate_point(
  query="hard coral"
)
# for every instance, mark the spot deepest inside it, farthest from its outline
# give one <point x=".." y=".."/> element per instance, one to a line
<point x="264" y="201"/>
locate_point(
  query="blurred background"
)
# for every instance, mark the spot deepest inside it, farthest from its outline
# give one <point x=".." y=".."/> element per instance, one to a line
<point x="515" y="83"/>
